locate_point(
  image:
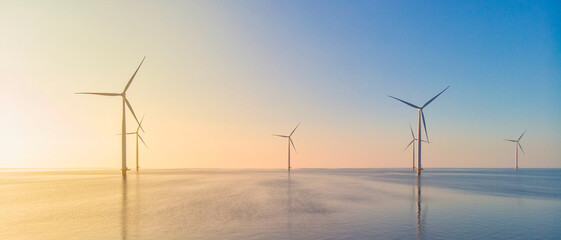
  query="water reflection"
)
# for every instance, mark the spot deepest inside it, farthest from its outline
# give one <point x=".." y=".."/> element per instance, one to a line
<point x="315" y="204"/>
<point x="137" y="206"/>
<point x="124" y="210"/>
<point x="419" y="210"/>
<point x="289" y="206"/>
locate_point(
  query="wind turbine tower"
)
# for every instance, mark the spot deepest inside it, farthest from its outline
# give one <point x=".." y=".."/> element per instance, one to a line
<point x="289" y="137"/>
<point x="137" y="133"/>
<point x="413" y="140"/>
<point x="421" y="116"/>
<point x="517" y="145"/>
<point x="123" y="126"/>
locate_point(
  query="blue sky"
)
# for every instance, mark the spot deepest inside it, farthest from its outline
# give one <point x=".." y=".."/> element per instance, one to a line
<point x="227" y="74"/>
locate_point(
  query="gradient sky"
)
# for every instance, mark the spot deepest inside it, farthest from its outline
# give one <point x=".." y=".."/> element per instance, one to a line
<point x="221" y="76"/>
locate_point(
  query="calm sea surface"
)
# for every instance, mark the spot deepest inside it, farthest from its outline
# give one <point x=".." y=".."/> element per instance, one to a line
<point x="272" y="204"/>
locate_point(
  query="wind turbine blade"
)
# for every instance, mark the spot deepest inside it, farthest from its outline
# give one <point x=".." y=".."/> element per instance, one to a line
<point x="408" y="145"/>
<point x="412" y="134"/>
<point x="132" y="111"/>
<point x="432" y="99"/>
<point x="412" y="105"/>
<point x="102" y="94"/>
<point x="520" y="145"/>
<point x="130" y="81"/>
<point x="521" y="135"/>
<point x="280" y="135"/>
<point x="119" y="134"/>
<point x="294" y="129"/>
<point x="510" y="140"/>
<point x="140" y="124"/>
<point x="425" y="126"/>
<point x="292" y="144"/>
<point x="142" y="141"/>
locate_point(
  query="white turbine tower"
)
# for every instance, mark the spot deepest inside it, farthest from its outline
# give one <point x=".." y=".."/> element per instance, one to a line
<point x="123" y="128"/>
<point x="517" y="145"/>
<point x="289" y="142"/>
<point x="421" y="116"/>
<point x="138" y="137"/>
<point x="413" y="140"/>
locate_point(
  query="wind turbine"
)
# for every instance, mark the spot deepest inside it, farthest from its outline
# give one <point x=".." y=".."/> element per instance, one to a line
<point x="421" y="116"/>
<point x="289" y="142"/>
<point x="123" y="128"/>
<point x="412" y="142"/>
<point x="517" y="144"/>
<point x="138" y="137"/>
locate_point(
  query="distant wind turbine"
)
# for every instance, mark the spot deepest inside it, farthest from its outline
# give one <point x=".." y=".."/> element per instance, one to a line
<point x="289" y="137"/>
<point x="123" y="128"/>
<point x="517" y="145"/>
<point x="412" y="142"/>
<point x="421" y="116"/>
<point x="138" y="137"/>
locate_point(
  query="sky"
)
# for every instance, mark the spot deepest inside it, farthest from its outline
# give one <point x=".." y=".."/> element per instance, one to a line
<point x="220" y="77"/>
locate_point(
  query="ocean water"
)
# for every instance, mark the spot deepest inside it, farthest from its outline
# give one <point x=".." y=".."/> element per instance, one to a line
<point x="274" y="204"/>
